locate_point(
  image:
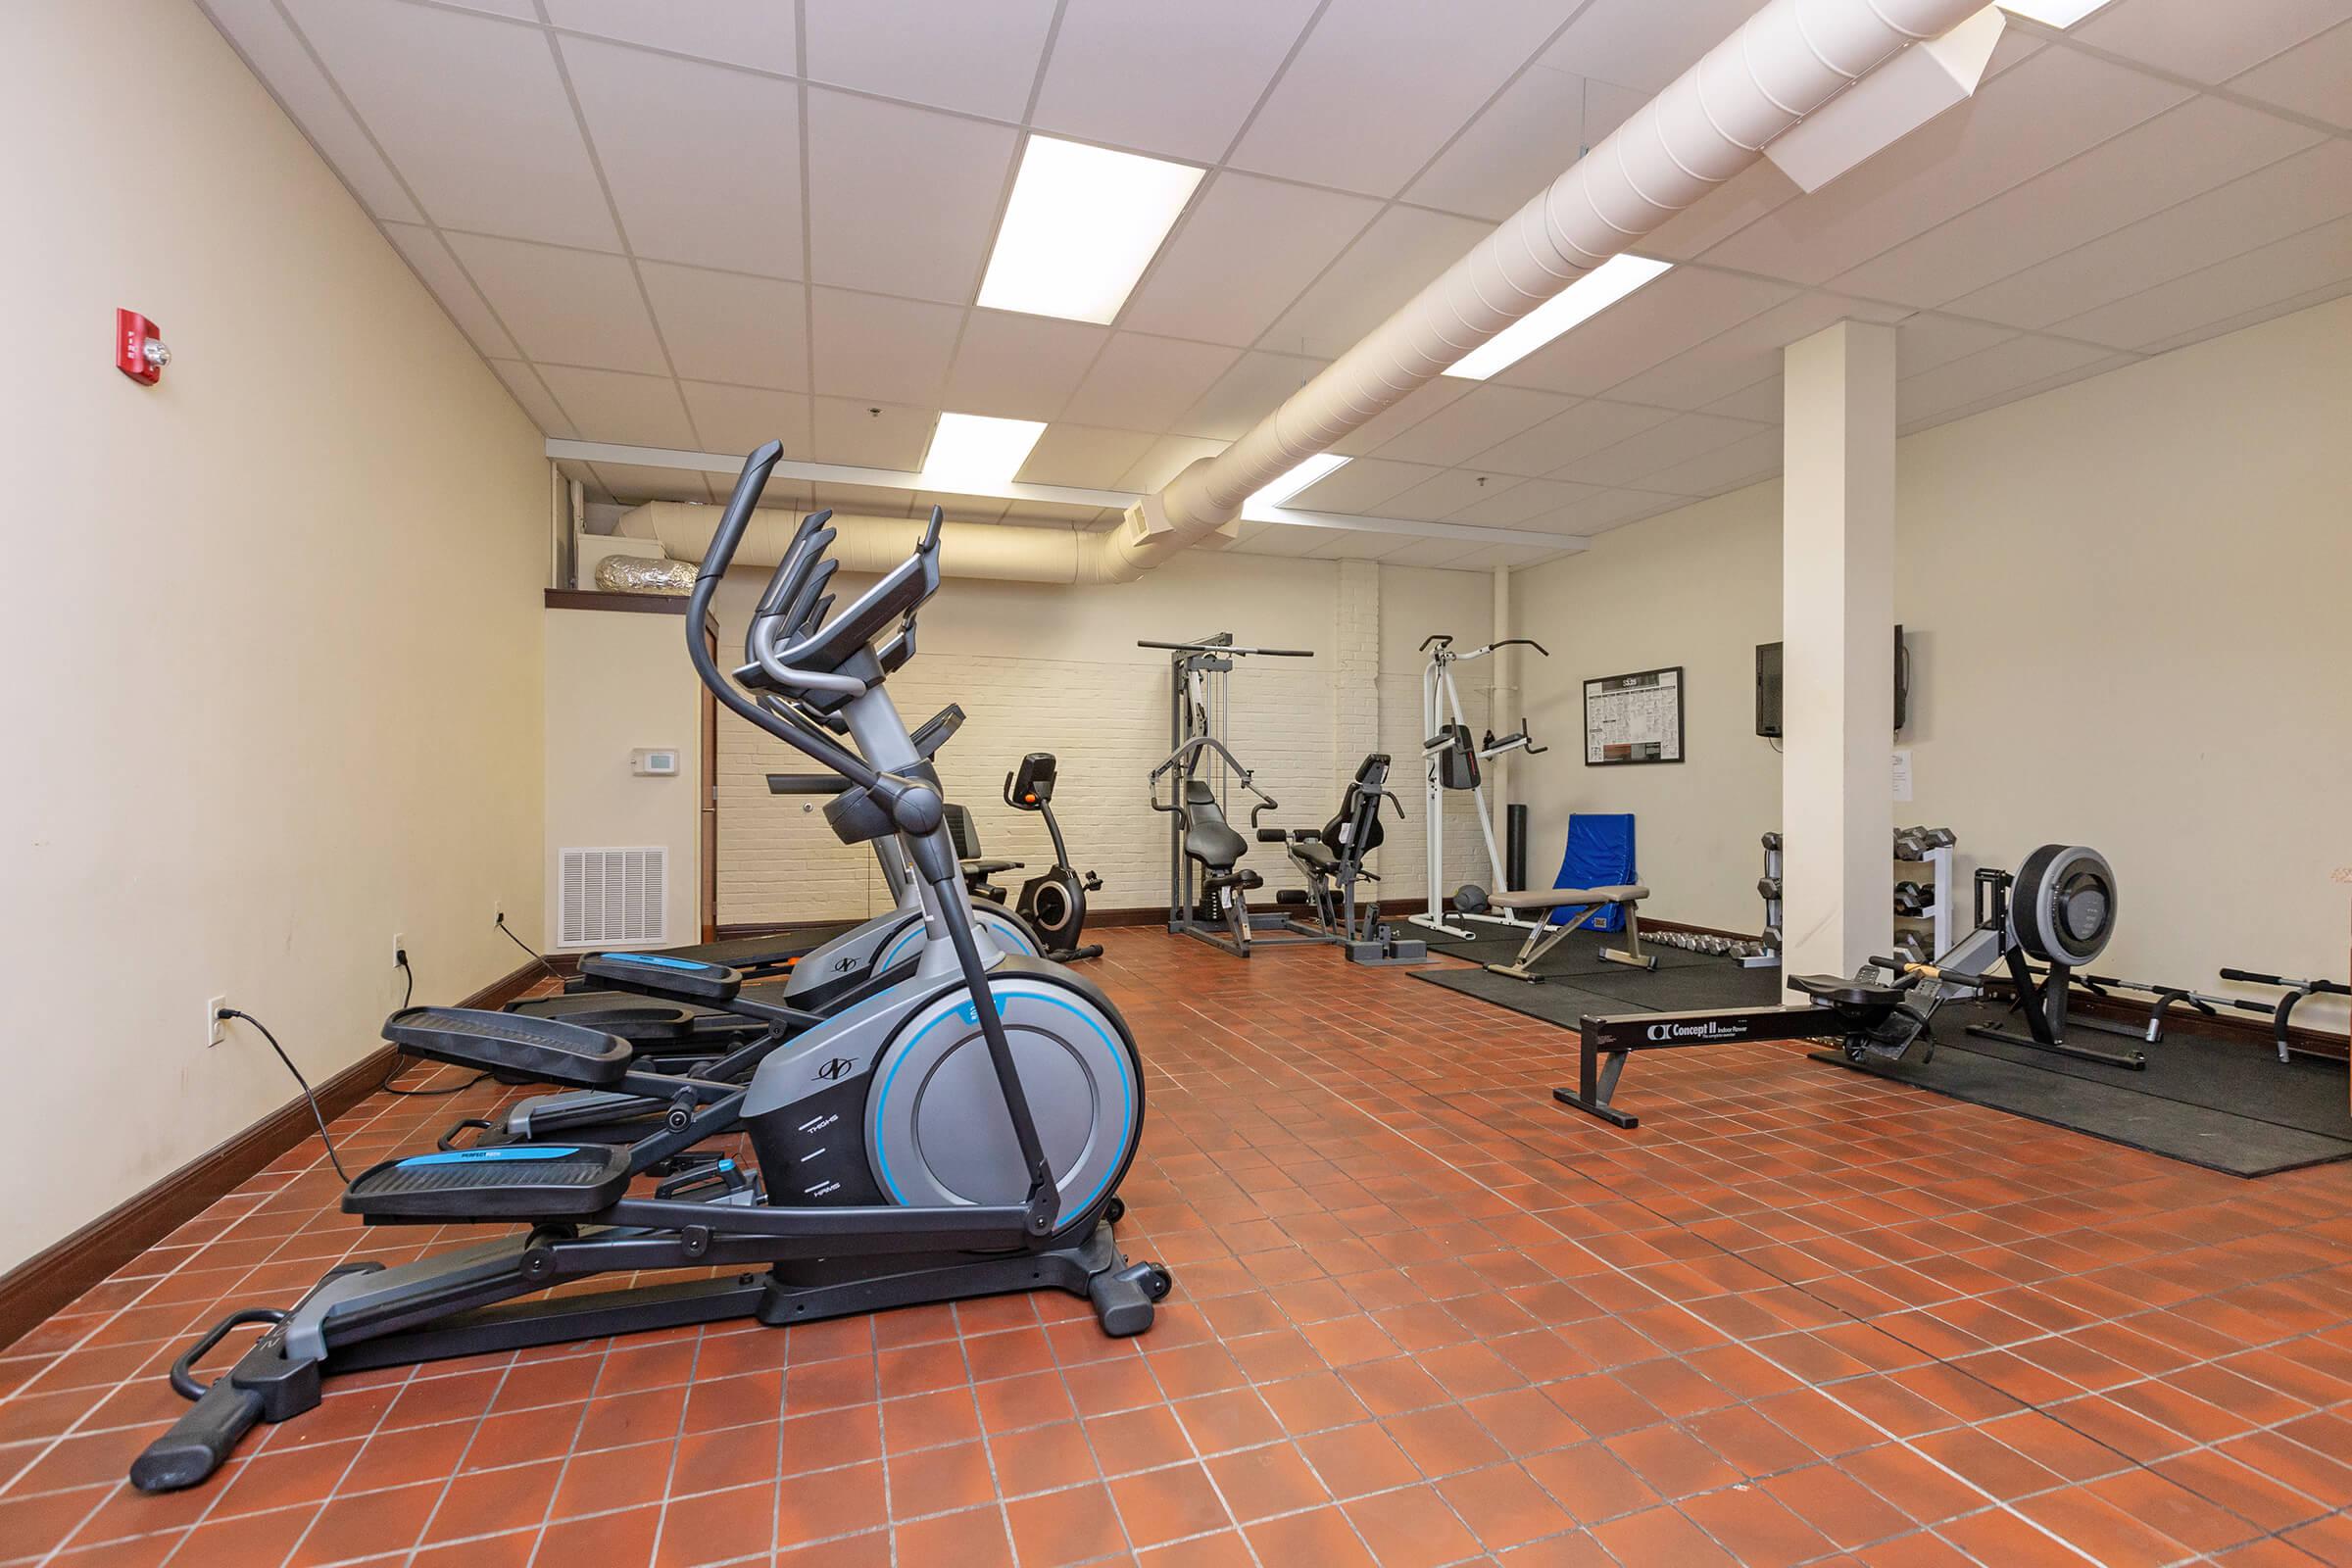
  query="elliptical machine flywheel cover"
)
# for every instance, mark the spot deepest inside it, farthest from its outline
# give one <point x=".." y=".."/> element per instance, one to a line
<point x="2062" y="907"/>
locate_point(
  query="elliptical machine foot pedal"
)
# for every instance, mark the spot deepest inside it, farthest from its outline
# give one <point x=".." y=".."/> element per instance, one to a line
<point x="502" y="1181"/>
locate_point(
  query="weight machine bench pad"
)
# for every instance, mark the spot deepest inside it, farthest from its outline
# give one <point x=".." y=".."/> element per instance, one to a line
<point x="1569" y="898"/>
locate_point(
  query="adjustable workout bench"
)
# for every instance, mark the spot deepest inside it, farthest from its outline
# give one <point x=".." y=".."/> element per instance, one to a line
<point x="1543" y="936"/>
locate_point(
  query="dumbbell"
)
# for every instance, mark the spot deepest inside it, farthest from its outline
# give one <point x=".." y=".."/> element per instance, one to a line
<point x="1912" y="899"/>
<point x="1768" y="887"/>
<point x="1771" y="939"/>
<point x="1772" y="840"/>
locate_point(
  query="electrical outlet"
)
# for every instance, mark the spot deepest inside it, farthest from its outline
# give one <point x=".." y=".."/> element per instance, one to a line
<point x="400" y="948"/>
<point x="498" y="912"/>
<point x="215" y="1027"/>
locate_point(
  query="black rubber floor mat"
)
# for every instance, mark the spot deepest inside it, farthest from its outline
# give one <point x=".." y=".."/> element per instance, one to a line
<point x="1578" y="953"/>
<point x="2200" y="1135"/>
<point x="1555" y="1002"/>
<point x="1672" y="990"/>
<point x="2228" y="1073"/>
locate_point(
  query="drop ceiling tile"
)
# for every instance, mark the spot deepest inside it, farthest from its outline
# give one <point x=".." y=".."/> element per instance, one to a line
<point x="755" y="33"/>
<point x="1253" y="388"/>
<point x="1519" y="144"/>
<point x="2204" y="42"/>
<point x="740" y="420"/>
<point x="703" y="164"/>
<point x="1022" y="366"/>
<point x="1487" y="416"/>
<point x="1145" y="383"/>
<point x="633" y="485"/>
<point x="2018" y="394"/>
<point x="1634" y="460"/>
<point x="2203" y="143"/>
<point x="1630" y="43"/>
<point x="1401" y="415"/>
<point x="1448" y="492"/>
<point x="1727" y="468"/>
<point x="1361" y="486"/>
<point x="2312" y="78"/>
<point x="2334" y="289"/>
<point x="1164" y="460"/>
<point x="979" y="59"/>
<point x="1403" y="249"/>
<point x="2007" y="369"/>
<point x="523" y="382"/>
<point x="2289" y="196"/>
<point x="1288" y="233"/>
<point x="471" y="110"/>
<point x="1741" y="354"/>
<point x="1528" y="504"/>
<point x="863" y="499"/>
<point x="1927" y="341"/>
<point x="724" y="327"/>
<point x="565" y="306"/>
<point x="902" y="201"/>
<point x="1614" y="509"/>
<point x="639" y="411"/>
<point x="1283" y="539"/>
<point x="1176" y="80"/>
<point x="449" y="284"/>
<point x="1574" y="433"/>
<point x="870" y="435"/>
<point x="2055" y="104"/>
<point x="1761" y="402"/>
<point x="1355" y="544"/>
<point x="888" y="350"/>
<point x="1083" y="455"/>
<point x="269" y="47"/>
<point x="1380" y="85"/>
<point x="2278" y="271"/>
<point x="1679" y="310"/>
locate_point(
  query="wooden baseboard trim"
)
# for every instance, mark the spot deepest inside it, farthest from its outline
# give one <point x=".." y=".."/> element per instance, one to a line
<point x="52" y="1278"/>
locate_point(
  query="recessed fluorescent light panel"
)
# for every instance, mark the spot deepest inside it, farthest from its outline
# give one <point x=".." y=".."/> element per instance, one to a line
<point x="1082" y="225"/>
<point x="1578" y="303"/>
<point x="2053" y="13"/>
<point x="1290" y="483"/>
<point x="974" y="453"/>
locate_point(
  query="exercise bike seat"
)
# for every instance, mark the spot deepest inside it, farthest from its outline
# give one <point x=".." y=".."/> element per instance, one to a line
<point x="1837" y="991"/>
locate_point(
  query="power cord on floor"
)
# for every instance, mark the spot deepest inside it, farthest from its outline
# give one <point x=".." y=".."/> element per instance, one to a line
<point x="315" y="1115"/>
<point x="537" y="956"/>
<point x="392" y="1070"/>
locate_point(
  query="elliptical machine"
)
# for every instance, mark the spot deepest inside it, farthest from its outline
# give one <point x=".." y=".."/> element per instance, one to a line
<point x="963" y="1134"/>
<point x="1052" y="901"/>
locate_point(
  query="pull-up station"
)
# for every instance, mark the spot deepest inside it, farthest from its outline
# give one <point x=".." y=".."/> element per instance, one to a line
<point x="1451" y="762"/>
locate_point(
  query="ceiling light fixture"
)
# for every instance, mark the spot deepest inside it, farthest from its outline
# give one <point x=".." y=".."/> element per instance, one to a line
<point x="1290" y="483"/>
<point x="974" y="450"/>
<point x="1578" y="303"/>
<point x="1082" y="225"/>
<point x="2060" y="14"/>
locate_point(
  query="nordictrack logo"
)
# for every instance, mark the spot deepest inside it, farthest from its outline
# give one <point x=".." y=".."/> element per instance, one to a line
<point x="1712" y="1029"/>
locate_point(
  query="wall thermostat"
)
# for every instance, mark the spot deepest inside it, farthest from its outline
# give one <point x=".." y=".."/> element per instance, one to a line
<point x="654" y="762"/>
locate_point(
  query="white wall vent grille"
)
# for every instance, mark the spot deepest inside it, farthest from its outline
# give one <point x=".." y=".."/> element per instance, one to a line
<point x="614" y="897"/>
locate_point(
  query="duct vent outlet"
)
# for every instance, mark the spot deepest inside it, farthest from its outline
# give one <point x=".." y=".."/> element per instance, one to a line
<point x="613" y="898"/>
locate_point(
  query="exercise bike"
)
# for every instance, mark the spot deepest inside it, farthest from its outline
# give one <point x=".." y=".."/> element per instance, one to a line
<point x="1054" y="902"/>
<point x="963" y="1134"/>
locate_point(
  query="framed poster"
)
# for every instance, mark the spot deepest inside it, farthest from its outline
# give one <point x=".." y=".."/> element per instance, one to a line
<point x="1634" y="719"/>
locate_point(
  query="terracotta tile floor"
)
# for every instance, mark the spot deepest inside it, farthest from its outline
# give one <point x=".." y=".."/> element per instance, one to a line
<point x="1423" y="1317"/>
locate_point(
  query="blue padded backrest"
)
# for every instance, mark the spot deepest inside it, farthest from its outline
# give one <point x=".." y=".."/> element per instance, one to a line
<point x="1600" y="854"/>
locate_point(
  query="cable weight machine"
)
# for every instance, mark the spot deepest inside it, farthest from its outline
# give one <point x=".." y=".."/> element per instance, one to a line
<point x="1451" y="762"/>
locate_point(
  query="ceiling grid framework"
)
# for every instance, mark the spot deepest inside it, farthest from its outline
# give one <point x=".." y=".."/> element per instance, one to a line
<point x="694" y="227"/>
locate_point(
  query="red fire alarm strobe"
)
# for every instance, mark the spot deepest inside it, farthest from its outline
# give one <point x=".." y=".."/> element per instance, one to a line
<point x="139" y="351"/>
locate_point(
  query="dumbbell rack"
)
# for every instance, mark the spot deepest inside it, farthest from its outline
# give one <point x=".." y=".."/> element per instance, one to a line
<point x="1942" y="913"/>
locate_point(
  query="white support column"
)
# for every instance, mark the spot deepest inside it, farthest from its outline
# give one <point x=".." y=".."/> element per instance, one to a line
<point x="1503" y="706"/>
<point x="1838" y="666"/>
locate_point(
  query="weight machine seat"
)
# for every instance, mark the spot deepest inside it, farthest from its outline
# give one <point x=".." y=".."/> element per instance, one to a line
<point x="1218" y="880"/>
<point x="1314" y="853"/>
<point x="1563" y="898"/>
<point x="1840" y="991"/>
<point x="1208" y="837"/>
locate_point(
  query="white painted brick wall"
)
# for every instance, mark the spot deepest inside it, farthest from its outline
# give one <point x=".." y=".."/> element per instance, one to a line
<point x="1301" y="725"/>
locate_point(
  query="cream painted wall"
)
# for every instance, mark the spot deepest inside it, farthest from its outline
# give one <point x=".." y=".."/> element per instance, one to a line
<point x="2126" y="603"/>
<point x="273" y="649"/>
<point x="617" y="682"/>
<point x="1046" y="667"/>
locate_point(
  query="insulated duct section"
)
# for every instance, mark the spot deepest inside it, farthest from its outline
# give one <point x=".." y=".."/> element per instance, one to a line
<point x="1002" y="551"/>
<point x="1789" y="60"/>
